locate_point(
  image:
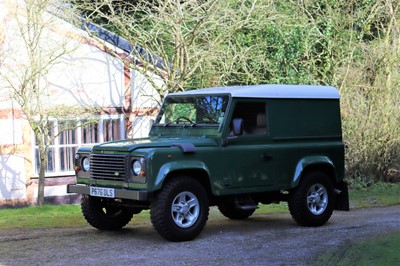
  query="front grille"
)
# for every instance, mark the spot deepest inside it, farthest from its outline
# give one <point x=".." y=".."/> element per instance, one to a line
<point x="109" y="167"/>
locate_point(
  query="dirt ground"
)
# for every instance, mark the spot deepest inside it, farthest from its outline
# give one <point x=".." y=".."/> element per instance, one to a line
<point x="263" y="239"/>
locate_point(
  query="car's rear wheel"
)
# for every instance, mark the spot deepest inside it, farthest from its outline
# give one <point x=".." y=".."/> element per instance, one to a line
<point x="99" y="214"/>
<point x="180" y="210"/>
<point x="311" y="203"/>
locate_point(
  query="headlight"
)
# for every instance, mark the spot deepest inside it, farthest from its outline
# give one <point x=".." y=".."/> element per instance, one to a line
<point x="86" y="164"/>
<point x="138" y="170"/>
<point x="136" y="167"/>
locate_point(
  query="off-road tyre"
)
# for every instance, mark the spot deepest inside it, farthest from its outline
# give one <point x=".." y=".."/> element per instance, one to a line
<point x="311" y="203"/>
<point x="232" y="211"/>
<point x="180" y="209"/>
<point x="104" y="217"/>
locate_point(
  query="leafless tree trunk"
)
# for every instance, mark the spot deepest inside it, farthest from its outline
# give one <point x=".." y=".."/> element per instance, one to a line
<point x="26" y="71"/>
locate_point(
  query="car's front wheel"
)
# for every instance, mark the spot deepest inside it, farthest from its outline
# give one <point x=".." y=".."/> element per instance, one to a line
<point x="311" y="203"/>
<point x="180" y="209"/>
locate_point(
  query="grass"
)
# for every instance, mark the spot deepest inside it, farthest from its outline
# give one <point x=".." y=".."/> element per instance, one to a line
<point x="44" y="217"/>
<point x="383" y="250"/>
<point x="379" y="194"/>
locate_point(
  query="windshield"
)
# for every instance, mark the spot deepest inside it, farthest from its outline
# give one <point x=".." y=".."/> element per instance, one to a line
<point x="193" y="110"/>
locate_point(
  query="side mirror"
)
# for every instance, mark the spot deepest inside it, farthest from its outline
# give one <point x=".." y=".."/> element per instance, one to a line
<point x="237" y="126"/>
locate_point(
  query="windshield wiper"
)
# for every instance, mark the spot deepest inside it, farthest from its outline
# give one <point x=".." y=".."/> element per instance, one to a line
<point x="190" y="124"/>
<point x="174" y="123"/>
<point x="167" y="124"/>
<point x="206" y="123"/>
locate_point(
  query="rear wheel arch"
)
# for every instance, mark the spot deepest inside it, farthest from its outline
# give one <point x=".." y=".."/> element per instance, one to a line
<point x="321" y="167"/>
<point x="308" y="165"/>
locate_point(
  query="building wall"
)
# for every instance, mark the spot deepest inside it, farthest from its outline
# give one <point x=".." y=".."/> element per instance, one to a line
<point x="87" y="76"/>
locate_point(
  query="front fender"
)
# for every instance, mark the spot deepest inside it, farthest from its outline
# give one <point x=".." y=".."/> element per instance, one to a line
<point x="170" y="167"/>
<point x="308" y="161"/>
<point x="85" y="149"/>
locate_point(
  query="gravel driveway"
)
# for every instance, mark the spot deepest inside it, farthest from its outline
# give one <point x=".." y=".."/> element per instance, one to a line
<point x="263" y="239"/>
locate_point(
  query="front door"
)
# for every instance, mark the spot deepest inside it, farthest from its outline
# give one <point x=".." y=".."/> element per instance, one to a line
<point x="250" y="159"/>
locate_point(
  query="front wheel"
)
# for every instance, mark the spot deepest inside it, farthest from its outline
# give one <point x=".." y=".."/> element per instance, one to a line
<point x="102" y="216"/>
<point x="180" y="210"/>
<point x="311" y="203"/>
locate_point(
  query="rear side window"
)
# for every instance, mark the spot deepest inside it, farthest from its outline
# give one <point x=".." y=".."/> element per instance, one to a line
<point x="254" y="115"/>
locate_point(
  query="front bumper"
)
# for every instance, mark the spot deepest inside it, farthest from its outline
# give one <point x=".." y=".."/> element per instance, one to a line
<point x="139" y="195"/>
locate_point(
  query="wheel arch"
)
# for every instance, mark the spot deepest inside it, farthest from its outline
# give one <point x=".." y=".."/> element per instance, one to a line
<point x="315" y="163"/>
<point x="194" y="169"/>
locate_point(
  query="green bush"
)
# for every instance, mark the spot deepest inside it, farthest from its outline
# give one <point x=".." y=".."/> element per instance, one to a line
<point x="371" y="115"/>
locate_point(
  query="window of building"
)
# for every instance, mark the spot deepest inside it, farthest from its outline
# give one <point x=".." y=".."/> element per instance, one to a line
<point x="63" y="148"/>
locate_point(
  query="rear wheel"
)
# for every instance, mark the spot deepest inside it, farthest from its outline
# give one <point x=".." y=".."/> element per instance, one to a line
<point x="180" y="210"/>
<point x="103" y="216"/>
<point x="311" y="203"/>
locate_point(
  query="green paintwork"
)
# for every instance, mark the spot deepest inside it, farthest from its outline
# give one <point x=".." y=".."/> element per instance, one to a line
<point x="302" y="132"/>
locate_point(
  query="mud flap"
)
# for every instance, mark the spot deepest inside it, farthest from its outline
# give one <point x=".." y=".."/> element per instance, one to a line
<point x="342" y="197"/>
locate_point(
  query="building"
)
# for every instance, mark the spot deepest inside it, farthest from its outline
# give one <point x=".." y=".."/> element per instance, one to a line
<point x="87" y="75"/>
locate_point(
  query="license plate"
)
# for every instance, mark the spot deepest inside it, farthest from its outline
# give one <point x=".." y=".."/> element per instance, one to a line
<point x="102" y="192"/>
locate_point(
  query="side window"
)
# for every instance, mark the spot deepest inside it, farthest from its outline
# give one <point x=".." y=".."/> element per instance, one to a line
<point x="254" y="116"/>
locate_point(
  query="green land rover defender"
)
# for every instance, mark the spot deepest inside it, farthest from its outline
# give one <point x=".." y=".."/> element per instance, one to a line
<point x="231" y="147"/>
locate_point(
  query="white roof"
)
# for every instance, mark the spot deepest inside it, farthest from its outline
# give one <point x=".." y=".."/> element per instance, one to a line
<point x="270" y="91"/>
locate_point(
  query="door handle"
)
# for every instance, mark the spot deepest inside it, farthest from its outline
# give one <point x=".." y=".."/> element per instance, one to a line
<point x="266" y="156"/>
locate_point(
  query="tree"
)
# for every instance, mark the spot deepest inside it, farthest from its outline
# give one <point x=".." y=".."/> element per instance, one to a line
<point x="187" y="43"/>
<point x="27" y="64"/>
<point x="370" y="89"/>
